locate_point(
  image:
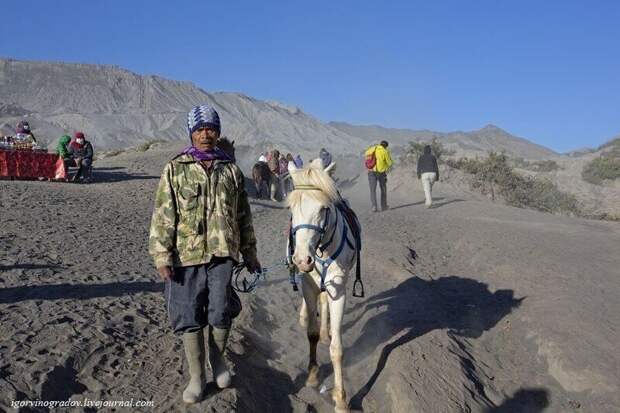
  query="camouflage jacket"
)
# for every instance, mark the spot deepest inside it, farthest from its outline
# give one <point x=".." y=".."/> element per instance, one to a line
<point x="200" y="214"/>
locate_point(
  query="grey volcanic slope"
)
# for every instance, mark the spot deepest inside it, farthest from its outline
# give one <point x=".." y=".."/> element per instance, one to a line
<point x="482" y="140"/>
<point x="118" y="108"/>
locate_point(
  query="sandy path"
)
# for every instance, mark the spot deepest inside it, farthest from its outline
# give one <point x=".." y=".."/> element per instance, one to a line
<point x="503" y="310"/>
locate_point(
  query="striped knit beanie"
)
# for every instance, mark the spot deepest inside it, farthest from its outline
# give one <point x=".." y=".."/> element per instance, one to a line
<point x="203" y="116"/>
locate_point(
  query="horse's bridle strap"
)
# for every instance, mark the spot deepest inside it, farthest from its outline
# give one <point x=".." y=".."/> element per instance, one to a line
<point x="308" y="226"/>
<point x="307" y="188"/>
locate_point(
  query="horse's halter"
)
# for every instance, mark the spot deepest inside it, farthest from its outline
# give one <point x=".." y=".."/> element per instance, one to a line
<point x="320" y="229"/>
<point x="322" y="246"/>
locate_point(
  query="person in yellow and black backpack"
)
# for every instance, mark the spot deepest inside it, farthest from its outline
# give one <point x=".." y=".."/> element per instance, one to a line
<point x="378" y="162"/>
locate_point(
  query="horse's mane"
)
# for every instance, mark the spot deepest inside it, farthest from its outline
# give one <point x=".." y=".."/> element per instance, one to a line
<point x="227" y="146"/>
<point x="314" y="176"/>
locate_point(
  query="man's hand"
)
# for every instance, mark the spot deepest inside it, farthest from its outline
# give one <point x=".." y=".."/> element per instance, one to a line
<point x="165" y="273"/>
<point x="253" y="265"/>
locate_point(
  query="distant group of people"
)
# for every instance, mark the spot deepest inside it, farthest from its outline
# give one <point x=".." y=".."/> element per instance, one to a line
<point x="77" y="152"/>
<point x="280" y="166"/>
<point x="378" y="162"/>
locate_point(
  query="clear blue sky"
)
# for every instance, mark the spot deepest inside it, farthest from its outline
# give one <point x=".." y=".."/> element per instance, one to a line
<point x="548" y="71"/>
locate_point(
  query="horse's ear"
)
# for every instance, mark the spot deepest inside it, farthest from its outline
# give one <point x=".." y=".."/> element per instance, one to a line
<point x="331" y="168"/>
<point x="294" y="173"/>
<point x="316" y="163"/>
<point x="233" y="143"/>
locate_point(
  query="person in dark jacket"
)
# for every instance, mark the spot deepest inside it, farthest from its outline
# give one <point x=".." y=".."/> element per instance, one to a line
<point x="81" y="152"/>
<point x="326" y="157"/>
<point x="428" y="172"/>
<point x="299" y="163"/>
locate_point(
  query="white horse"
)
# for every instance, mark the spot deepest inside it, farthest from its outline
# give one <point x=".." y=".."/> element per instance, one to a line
<point x="325" y="252"/>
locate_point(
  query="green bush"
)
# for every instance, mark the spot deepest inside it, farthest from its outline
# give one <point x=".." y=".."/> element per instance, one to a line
<point x="147" y="145"/>
<point x="545" y="166"/>
<point x="536" y="166"/>
<point x="416" y="149"/>
<point x="606" y="167"/>
<point x="495" y="176"/>
<point x="614" y="145"/>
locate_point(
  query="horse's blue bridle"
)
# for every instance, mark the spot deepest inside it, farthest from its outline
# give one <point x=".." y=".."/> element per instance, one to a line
<point x="324" y="263"/>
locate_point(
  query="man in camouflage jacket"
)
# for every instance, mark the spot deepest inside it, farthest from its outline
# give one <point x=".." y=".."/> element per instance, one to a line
<point x="201" y="224"/>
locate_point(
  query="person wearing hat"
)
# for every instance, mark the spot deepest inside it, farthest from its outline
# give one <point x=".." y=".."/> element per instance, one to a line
<point x="23" y="132"/>
<point x="81" y="152"/>
<point x="201" y="224"/>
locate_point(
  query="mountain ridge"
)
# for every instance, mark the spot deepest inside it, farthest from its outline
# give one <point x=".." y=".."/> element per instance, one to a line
<point x="117" y="107"/>
<point x="489" y="137"/>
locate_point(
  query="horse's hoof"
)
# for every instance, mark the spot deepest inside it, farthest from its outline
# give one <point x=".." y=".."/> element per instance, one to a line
<point x="312" y="382"/>
<point x="313" y="375"/>
<point x="339" y="400"/>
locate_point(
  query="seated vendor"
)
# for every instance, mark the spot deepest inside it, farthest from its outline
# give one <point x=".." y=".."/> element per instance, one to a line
<point x="81" y="152"/>
<point x="23" y="132"/>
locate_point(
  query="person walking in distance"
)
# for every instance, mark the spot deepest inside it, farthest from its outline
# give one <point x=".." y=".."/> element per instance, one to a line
<point x="378" y="163"/>
<point x="428" y="172"/>
<point x="273" y="161"/>
<point x="326" y="157"/>
<point x="201" y="224"/>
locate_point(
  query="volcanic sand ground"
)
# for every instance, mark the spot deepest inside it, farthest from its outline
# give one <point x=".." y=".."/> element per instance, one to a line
<point x="504" y="310"/>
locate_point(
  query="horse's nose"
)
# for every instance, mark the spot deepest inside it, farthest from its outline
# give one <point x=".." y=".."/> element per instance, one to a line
<point x="305" y="264"/>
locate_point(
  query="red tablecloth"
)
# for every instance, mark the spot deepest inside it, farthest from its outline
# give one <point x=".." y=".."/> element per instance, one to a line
<point x="31" y="164"/>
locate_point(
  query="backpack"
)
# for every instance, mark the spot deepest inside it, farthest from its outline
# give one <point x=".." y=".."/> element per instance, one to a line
<point x="371" y="160"/>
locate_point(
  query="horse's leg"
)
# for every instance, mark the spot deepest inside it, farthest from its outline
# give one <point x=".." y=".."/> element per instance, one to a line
<point x="303" y="314"/>
<point x="311" y="291"/>
<point x="324" y="331"/>
<point x="273" y="189"/>
<point x="257" y="185"/>
<point x="265" y="183"/>
<point x="337" y="298"/>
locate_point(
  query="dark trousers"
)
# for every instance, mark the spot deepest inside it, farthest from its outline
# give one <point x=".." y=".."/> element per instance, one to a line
<point x="201" y="294"/>
<point x="85" y="168"/>
<point x="373" y="178"/>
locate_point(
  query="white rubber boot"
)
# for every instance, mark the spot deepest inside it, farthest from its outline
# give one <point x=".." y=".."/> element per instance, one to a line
<point x="217" y="346"/>
<point x="194" y="344"/>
